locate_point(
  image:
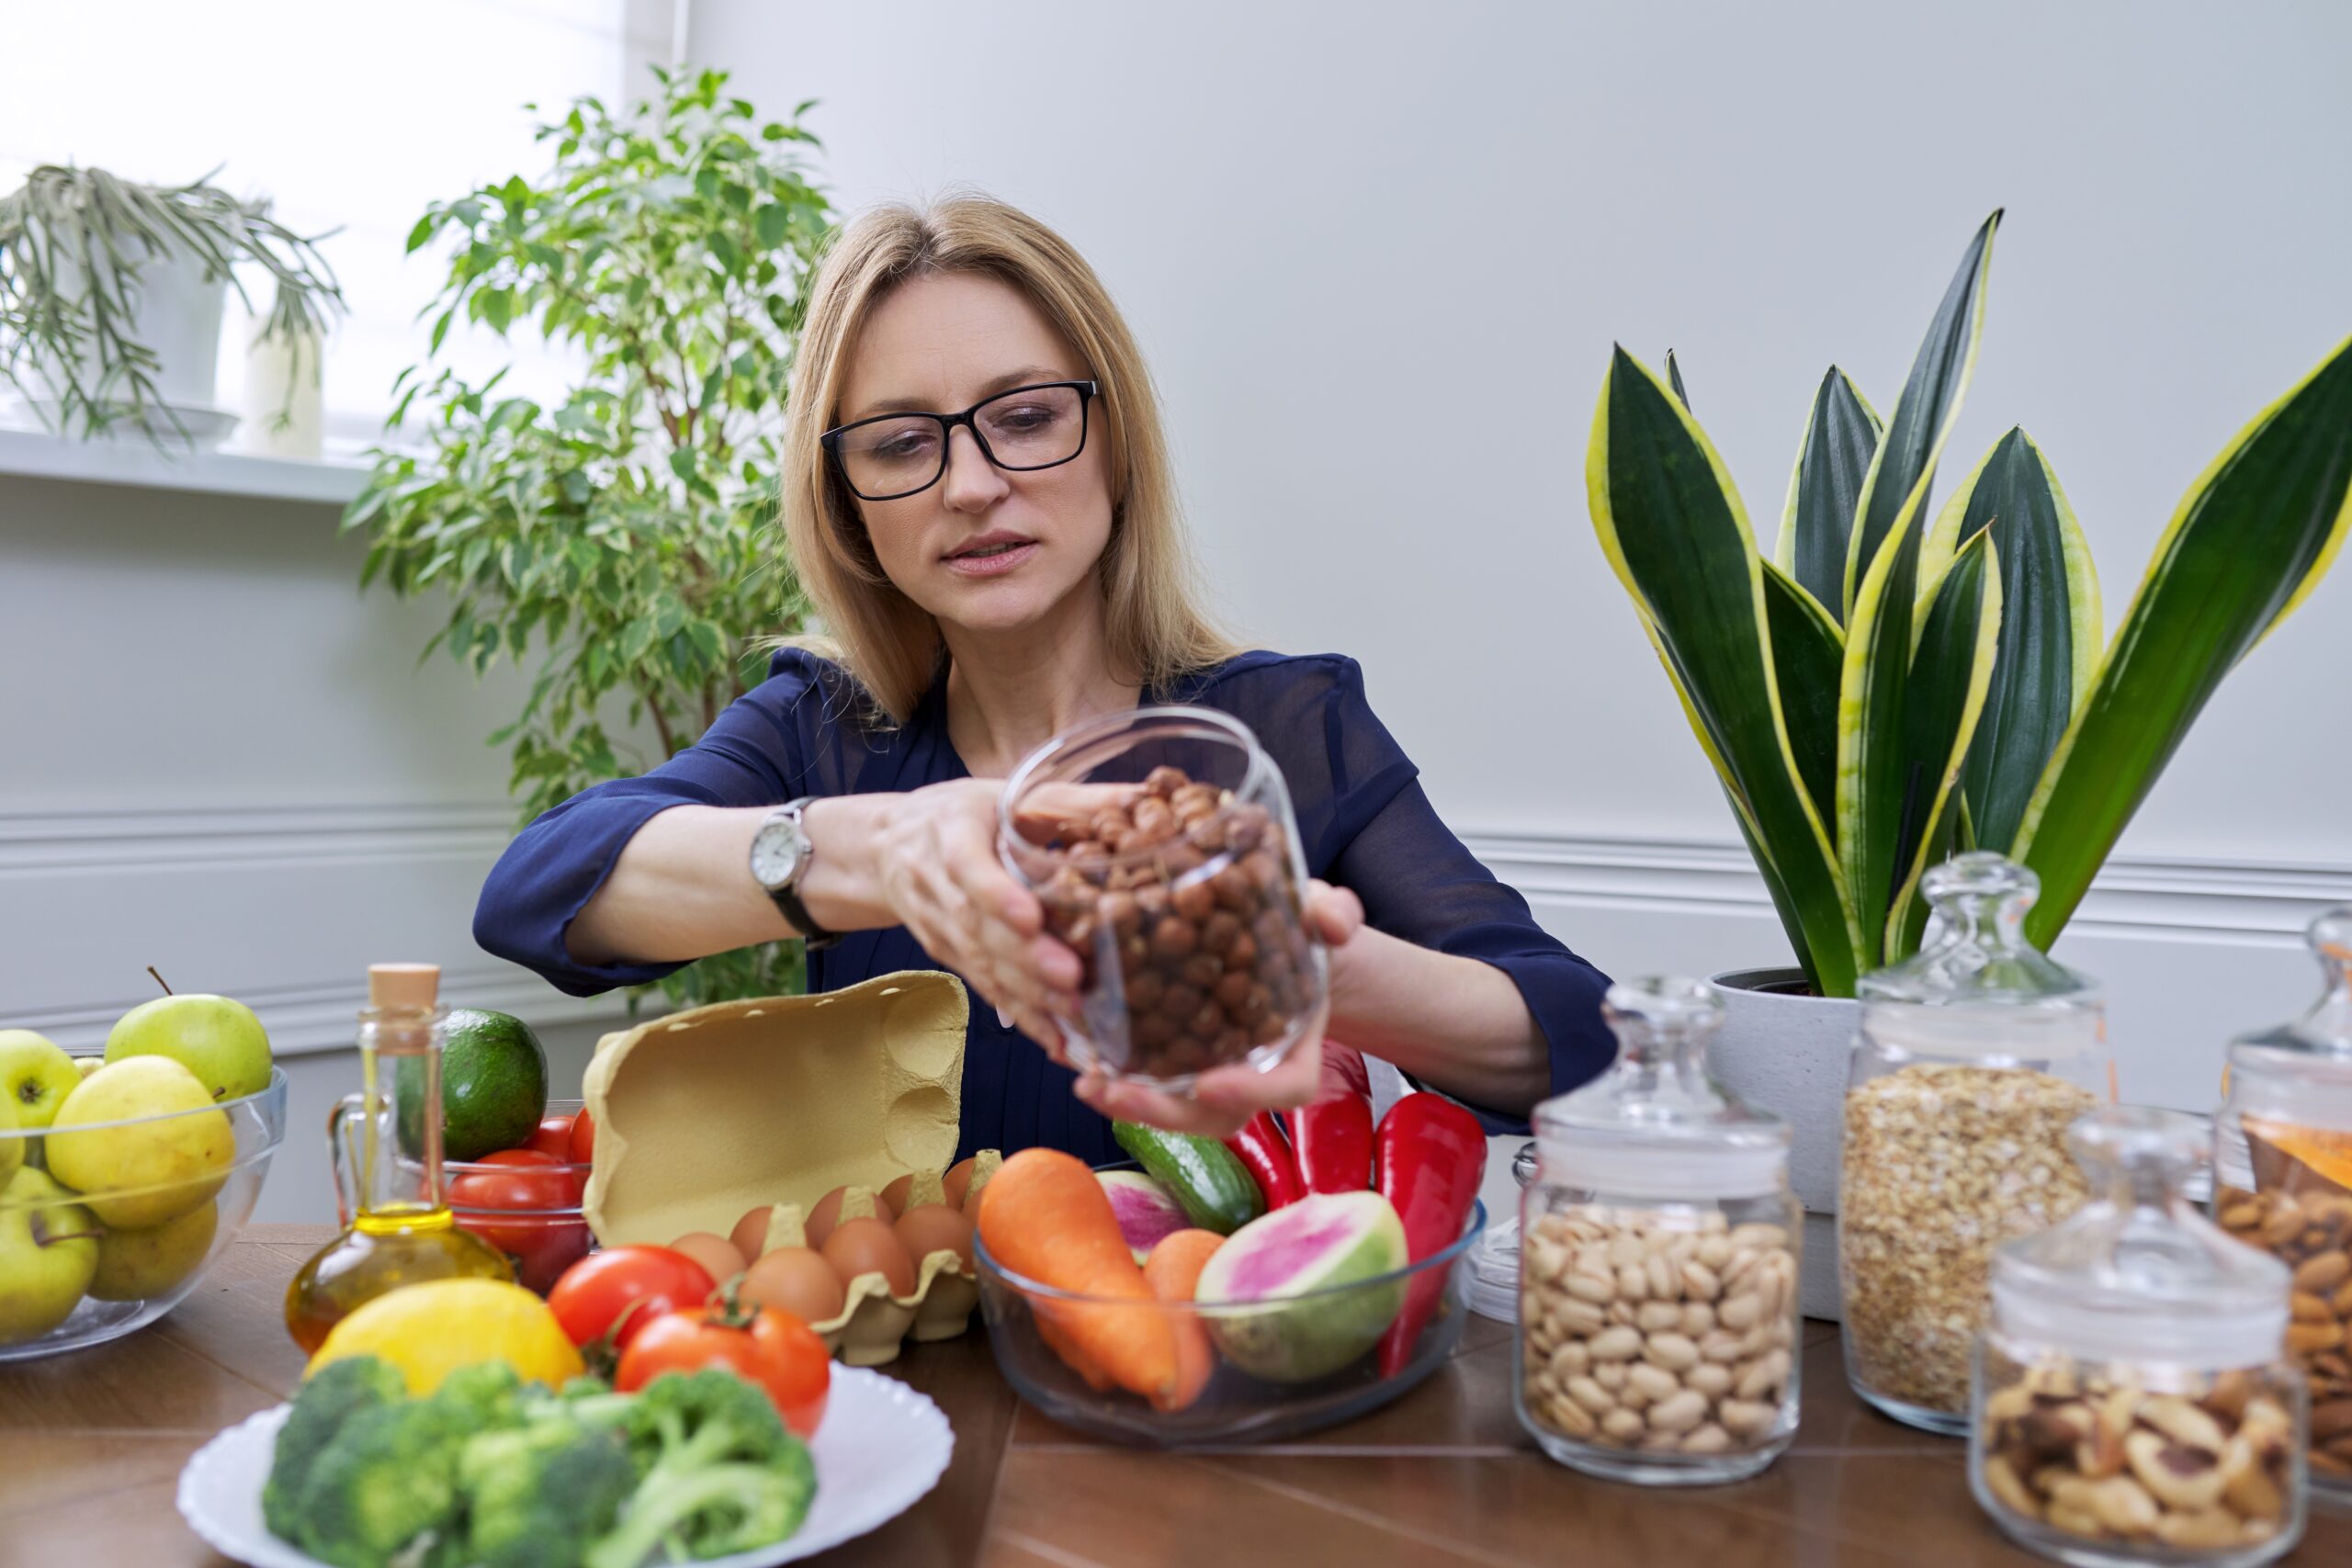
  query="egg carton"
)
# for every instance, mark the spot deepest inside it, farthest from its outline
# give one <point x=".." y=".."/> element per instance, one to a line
<point x="704" y="1115"/>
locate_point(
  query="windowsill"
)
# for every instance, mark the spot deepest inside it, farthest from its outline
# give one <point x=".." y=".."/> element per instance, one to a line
<point x="37" y="454"/>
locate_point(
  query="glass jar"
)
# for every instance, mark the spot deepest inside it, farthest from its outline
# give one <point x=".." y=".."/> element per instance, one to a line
<point x="1162" y="845"/>
<point x="1658" y="1247"/>
<point x="1972" y="1059"/>
<point x="2282" y="1157"/>
<point x="2134" y="1400"/>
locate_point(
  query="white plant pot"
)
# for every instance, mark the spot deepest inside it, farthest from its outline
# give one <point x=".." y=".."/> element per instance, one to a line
<point x="1787" y="1052"/>
<point x="175" y="312"/>
<point x="281" y="397"/>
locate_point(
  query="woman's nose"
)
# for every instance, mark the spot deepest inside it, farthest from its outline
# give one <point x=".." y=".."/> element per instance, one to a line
<point x="972" y="482"/>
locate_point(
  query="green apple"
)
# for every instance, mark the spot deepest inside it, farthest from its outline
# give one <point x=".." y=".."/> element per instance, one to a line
<point x="85" y="1066"/>
<point x="142" y="1142"/>
<point x="12" y="1148"/>
<point x="48" y="1250"/>
<point x="36" y="1076"/>
<point x="217" y="1039"/>
<point x="136" y="1265"/>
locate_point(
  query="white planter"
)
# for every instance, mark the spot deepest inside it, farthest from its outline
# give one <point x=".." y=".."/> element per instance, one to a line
<point x="1788" y="1053"/>
<point x="176" y="312"/>
<point x="281" y="396"/>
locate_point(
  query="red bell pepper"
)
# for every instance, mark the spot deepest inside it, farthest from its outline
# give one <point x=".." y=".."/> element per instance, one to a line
<point x="1266" y="1155"/>
<point x="1334" y="1144"/>
<point x="1432" y="1154"/>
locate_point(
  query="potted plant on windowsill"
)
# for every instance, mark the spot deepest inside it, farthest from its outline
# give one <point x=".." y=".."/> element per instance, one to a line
<point x="1891" y="686"/>
<point x="111" y="294"/>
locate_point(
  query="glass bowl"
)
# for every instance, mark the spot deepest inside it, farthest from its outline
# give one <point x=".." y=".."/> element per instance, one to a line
<point x="529" y="1212"/>
<point x="1235" y="1406"/>
<point x="1162" y="845"/>
<point x="81" y="1266"/>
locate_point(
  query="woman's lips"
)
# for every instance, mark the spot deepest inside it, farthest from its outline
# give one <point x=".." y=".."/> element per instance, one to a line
<point x="995" y="564"/>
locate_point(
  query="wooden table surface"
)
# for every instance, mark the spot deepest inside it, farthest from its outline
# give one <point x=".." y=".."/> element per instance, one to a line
<point x="91" y="1446"/>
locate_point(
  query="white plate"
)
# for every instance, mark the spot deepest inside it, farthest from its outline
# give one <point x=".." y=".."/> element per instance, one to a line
<point x="882" y="1446"/>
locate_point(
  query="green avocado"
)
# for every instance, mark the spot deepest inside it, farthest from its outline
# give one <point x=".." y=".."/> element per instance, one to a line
<point x="494" y="1085"/>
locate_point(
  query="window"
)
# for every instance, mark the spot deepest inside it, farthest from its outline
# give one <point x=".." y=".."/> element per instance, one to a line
<point x="350" y="115"/>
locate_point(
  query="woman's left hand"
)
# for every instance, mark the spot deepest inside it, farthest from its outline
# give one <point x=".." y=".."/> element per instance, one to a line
<point x="1223" y="1098"/>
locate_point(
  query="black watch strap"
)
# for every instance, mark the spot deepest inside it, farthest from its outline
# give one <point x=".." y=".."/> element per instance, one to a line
<point x="797" y="915"/>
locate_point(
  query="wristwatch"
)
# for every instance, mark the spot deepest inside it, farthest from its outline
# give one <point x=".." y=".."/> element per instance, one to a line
<point x="781" y="854"/>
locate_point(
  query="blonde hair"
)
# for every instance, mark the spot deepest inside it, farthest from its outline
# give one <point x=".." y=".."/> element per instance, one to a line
<point x="1155" y="625"/>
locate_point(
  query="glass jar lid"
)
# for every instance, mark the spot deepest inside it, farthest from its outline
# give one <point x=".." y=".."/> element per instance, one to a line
<point x="2137" y="1273"/>
<point x="2326" y="1026"/>
<point x="1656" y="1125"/>
<point x="2290" y="1085"/>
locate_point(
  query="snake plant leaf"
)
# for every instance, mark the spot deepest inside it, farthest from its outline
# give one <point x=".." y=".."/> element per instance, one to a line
<point x="1674" y="377"/>
<point x="1670" y="523"/>
<point x="2250" y="541"/>
<point x="1952" y="671"/>
<point x="1825" y="488"/>
<point x="2051" y="624"/>
<point x="1807" y="653"/>
<point x="1905" y="463"/>
<point x="1874" y="785"/>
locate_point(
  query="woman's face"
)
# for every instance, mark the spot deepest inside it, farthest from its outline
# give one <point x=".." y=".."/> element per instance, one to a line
<point x="983" y="548"/>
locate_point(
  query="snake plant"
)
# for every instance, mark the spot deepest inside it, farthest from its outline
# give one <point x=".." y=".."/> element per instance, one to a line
<point x="1889" y="686"/>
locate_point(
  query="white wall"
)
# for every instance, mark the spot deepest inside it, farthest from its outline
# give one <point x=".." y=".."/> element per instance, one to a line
<point x="1377" y="253"/>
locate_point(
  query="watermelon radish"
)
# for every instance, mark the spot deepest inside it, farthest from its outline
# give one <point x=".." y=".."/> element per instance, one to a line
<point x="1323" y="1241"/>
<point x="1147" y="1211"/>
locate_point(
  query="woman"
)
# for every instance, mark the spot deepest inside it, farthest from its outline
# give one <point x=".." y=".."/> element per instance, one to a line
<point x="993" y="576"/>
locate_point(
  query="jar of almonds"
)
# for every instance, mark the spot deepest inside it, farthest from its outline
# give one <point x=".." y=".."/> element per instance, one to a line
<point x="2134" y="1400"/>
<point x="2282" y="1155"/>
<point x="1972" y="1059"/>
<point x="1161" y="843"/>
<point x="1658" y="1261"/>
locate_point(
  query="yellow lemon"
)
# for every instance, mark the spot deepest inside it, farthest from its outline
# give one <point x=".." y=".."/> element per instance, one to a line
<point x="429" y="1330"/>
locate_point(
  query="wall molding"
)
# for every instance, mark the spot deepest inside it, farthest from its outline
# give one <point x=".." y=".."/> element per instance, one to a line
<point x="2176" y="898"/>
<point x="87" y="838"/>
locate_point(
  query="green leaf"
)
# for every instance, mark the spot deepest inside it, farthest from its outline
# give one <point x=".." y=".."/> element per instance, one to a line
<point x="1671" y="525"/>
<point x="1904" y="464"/>
<point x="1952" y="671"/>
<point x="1825" y="488"/>
<point x="774" y="222"/>
<point x="2250" y="541"/>
<point x="1807" y="653"/>
<point x="2051" y="624"/>
<point x="1872" y="788"/>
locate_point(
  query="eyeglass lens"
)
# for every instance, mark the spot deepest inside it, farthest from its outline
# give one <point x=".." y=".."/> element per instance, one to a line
<point x="1033" y="427"/>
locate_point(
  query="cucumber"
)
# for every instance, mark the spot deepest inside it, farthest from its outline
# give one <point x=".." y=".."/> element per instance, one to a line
<point x="1210" y="1184"/>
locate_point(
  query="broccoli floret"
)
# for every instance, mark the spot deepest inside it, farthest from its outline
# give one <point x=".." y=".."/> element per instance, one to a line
<point x="725" y="1473"/>
<point x="487" y="1395"/>
<point x="535" y="1495"/>
<point x="329" y="1398"/>
<point x="386" y="1478"/>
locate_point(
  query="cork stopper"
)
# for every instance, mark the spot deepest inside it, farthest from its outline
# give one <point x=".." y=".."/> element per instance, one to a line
<point x="404" y="984"/>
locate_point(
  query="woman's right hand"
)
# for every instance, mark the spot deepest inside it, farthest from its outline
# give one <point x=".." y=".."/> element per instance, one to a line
<point x="936" y="860"/>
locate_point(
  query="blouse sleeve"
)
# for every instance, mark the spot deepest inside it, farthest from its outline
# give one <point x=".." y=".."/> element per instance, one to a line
<point x="759" y="752"/>
<point x="1367" y="825"/>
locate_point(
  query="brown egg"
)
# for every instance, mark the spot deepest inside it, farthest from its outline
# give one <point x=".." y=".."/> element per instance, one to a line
<point x="716" y="1253"/>
<point x="959" y="1182"/>
<point x="751" y="1232"/>
<point x="933" y="1227"/>
<point x="894" y="1197"/>
<point x="868" y="1245"/>
<point x="797" y="1280"/>
<point x="825" y="1216"/>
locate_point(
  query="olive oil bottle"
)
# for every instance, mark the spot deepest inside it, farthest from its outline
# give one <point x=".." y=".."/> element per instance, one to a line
<point x="397" y="1226"/>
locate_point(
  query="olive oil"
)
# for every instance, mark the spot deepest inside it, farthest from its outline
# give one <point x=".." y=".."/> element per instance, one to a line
<point x="398" y="1228"/>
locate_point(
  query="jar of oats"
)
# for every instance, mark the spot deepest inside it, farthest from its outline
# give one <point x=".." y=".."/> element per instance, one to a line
<point x="2134" y="1402"/>
<point x="1972" y="1059"/>
<point x="1658" y="1253"/>
<point x="2282" y="1157"/>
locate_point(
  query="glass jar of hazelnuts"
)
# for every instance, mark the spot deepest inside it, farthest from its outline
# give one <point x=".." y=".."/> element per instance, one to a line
<point x="1162" y="846"/>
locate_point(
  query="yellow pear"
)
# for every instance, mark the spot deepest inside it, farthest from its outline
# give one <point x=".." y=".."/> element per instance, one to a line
<point x="142" y="1141"/>
<point x="49" y="1246"/>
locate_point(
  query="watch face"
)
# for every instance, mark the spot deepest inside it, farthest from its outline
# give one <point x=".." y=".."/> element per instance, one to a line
<point x="775" y="854"/>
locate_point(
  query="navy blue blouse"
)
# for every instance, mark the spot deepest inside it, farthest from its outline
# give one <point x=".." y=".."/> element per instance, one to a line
<point x="1363" y="818"/>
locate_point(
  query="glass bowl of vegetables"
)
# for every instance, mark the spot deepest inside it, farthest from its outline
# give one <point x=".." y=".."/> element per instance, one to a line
<point x="112" y="1209"/>
<point x="1309" y="1314"/>
<point x="526" y="1201"/>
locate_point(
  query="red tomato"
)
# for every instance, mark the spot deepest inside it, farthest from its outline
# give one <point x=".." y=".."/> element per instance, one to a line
<point x="523" y="1204"/>
<point x="620" y="1290"/>
<point x="554" y="1137"/>
<point x="774" y="1349"/>
<point x="584" y="1138"/>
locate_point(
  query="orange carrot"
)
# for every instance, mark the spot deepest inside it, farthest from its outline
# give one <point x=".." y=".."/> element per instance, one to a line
<point x="1173" y="1272"/>
<point x="1072" y="1356"/>
<point x="1046" y="1217"/>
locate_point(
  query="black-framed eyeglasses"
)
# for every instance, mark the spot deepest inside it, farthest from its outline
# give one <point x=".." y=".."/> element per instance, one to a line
<point x="1028" y="428"/>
